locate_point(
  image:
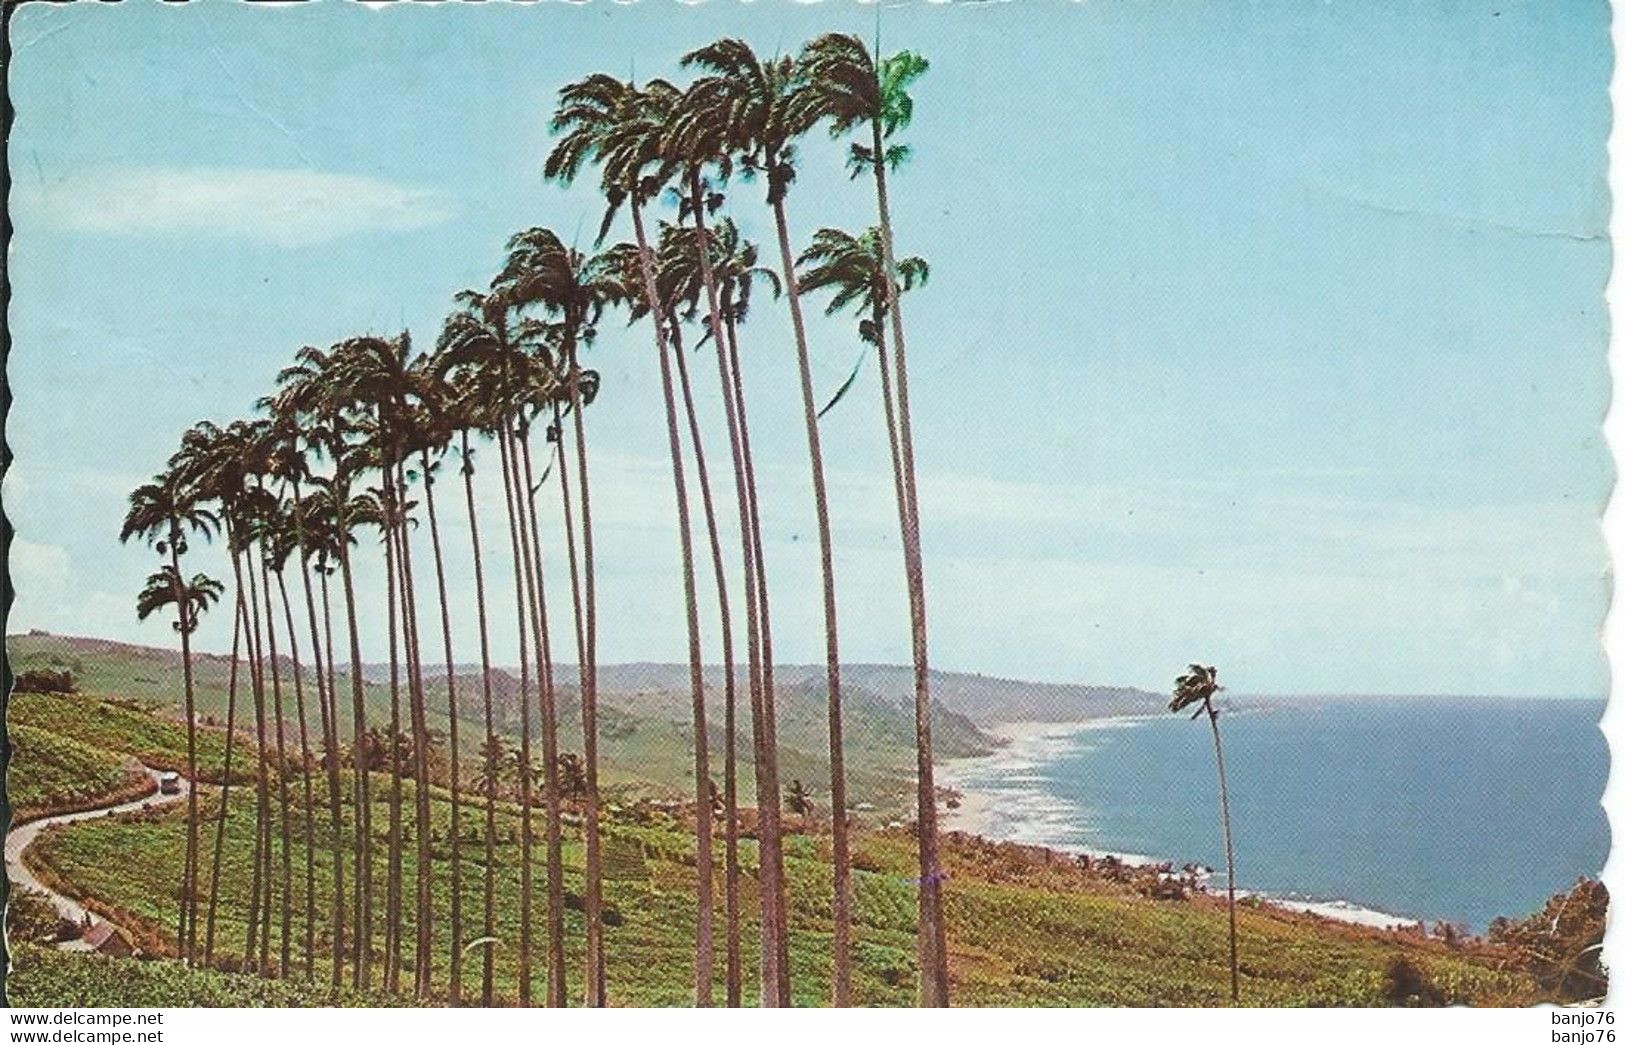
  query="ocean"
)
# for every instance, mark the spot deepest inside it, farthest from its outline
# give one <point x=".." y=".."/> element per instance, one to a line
<point x="1424" y="808"/>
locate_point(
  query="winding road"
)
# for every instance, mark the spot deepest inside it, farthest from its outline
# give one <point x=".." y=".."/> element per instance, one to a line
<point x="19" y="839"/>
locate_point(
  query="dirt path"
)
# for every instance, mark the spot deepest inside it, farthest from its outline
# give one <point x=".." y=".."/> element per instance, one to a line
<point x="18" y="841"/>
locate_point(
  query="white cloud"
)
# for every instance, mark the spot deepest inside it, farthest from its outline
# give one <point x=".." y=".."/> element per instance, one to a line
<point x="285" y="208"/>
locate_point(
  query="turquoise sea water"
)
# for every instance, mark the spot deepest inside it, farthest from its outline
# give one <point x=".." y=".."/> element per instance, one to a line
<point x="1429" y="808"/>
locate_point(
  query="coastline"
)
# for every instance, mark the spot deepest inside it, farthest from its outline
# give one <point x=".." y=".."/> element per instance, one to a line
<point x="999" y="800"/>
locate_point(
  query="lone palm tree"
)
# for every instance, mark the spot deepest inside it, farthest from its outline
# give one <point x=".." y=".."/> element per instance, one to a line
<point x="1200" y="686"/>
<point x="765" y="109"/>
<point x="855" y="90"/>
<point x="799" y="799"/>
<point x="162" y="512"/>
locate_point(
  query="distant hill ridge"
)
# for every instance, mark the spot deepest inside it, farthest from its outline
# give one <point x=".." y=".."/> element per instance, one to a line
<point x="984" y="699"/>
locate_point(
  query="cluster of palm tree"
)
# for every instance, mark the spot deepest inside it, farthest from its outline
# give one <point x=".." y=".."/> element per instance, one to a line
<point x="353" y="441"/>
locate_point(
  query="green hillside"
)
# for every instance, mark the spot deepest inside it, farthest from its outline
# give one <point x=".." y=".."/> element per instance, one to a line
<point x="1025" y="930"/>
<point x="646" y="736"/>
<point x="53" y="773"/>
<point x="1026" y="926"/>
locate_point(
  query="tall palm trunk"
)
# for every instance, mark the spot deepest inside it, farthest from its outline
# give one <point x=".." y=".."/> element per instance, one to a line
<point x="329" y="710"/>
<point x="1229" y="849"/>
<point x="775" y="943"/>
<point x="933" y="940"/>
<point x="423" y="952"/>
<point x="186" y="933"/>
<point x="730" y="777"/>
<point x="584" y="595"/>
<point x="595" y="983"/>
<point x="392" y="883"/>
<point x="526" y="830"/>
<point x="704" y="946"/>
<point x="330" y="743"/>
<point x="452" y="738"/>
<point x="832" y="652"/>
<point x="286" y="815"/>
<point x="488" y="982"/>
<point x="733" y="412"/>
<point x="237" y="619"/>
<point x="256" y="951"/>
<point x="304" y="774"/>
<point x="363" y="784"/>
<point x="550" y="744"/>
<point x="931" y="945"/>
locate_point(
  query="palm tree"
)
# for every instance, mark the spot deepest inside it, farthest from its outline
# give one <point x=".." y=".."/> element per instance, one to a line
<point x="472" y="335"/>
<point x="161" y="513"/>
<point x="571" y="288"/>
<point x="375" y="374"/>
<point x="284" y="533"/>
<point x="618" y="127"/>
<point x="238" y="617"/>
<point x="264" y="531"/>
<point x="436" y="424"/>
<point x="321" y="542"/>
<point x="736" y="273"/>
<point x="497" y="374"/>
<point x="1199" y="686"/>
<point x="319" y="382"/>
<point x="283" y="537"/>
<point x="493" y="756"/>
<point x="216" y="462"/>
<point x="311" y="388"/>
<point x="297" y="409"/>
<point x="533" y="388"/>
<point x="854" y="90"/>
<point x="348" y="512"/>
<point x="678" y="288"/>
<point x="572" y="775"/>
<point x="678" y="250"/>
<point x="190" y="599"/>
<point x="763" y="105"/>
<point x="800" y="800"/>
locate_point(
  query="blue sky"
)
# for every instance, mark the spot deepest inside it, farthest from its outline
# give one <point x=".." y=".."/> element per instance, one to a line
<point x="1267" y="334"/>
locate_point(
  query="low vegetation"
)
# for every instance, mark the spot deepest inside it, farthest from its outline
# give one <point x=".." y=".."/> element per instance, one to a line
<point x="1561" y="945"/>
<point x="51" y="773"/>
<point x="45" y="978"/>
<point x="1026" y="926"/>
<point x="106" y="725"/>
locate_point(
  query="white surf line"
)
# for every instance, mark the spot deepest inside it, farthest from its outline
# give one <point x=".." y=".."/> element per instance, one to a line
<point x="19" y="839"/>
<point x="991" y="807"/>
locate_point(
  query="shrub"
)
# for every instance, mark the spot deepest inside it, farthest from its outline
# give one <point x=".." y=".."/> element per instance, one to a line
<point x="41" y="680"/>
<point x="1405" y="984"/>
<point x="1561" y="945"/>
<point x="31" y="918"/>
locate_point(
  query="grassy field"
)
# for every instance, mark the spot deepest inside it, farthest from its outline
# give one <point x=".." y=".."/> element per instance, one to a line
<point x="51" y="773"/>
<point x="46" y="978"/>
<point x="117" y="728"/>
<point x="1024" y="929"/>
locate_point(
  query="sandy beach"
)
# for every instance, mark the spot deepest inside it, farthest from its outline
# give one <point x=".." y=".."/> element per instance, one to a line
<point x="1000" y="799"/>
